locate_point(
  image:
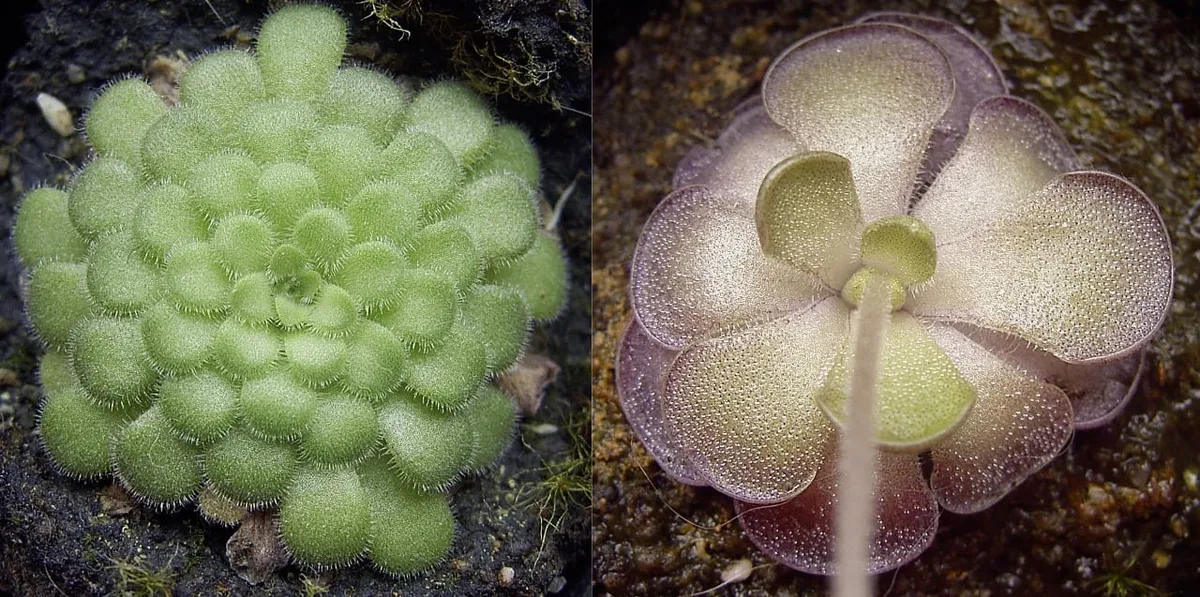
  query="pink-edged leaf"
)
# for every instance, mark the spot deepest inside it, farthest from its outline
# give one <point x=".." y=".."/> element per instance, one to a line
<point x="734" y="169"/>
<point x="871" y="93"/>
<point x="1081" y="269"/>
<point x="1098" y="391"/>
<point x="800" y="532"/>
<point x="1011" y="151"/>
<point x="1017" y="426"/>
<point x="741" y="406"/>
<point x="642" y="366"/>
<point x="698" y="269"/>
<point x="976" y="76"/>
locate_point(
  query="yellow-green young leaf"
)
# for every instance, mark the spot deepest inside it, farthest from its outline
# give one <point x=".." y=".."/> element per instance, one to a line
<point x="410" y="531"/>
<point x="511" y="151"/>
<point x="58" y="298"/>
<point x="323" y="235"/>
<point x="299" y="48"/>
<point x="540" y="274"/>
<point x="224" y="82"/>
<point x="153" y="463"/>
<point x="104" y="197"/>
<point x="223" y="183"/>
<point x="245" y="352"/>
<point x="180" y="140"/>
<point x="251" y="301"/>
<point x="277" y="130"/>
<point x="43" y="231"/>
<point x="902" y="246"/>
<point x="120" y="118"/>
<point x="334" y="312"/>
<point x="344" y="158"/>
<point x="420" y="162"/>
<point x="922" y="396"/>
<point x="324" y="519"/>
<point x="365" y="98"/>
<point x="450" y="111"/>
<point x="284" y="191"/>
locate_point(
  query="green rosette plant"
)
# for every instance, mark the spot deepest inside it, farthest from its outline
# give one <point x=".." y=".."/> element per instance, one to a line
<point x="291" y="290"/>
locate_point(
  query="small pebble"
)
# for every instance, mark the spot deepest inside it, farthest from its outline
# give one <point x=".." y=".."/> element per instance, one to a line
<point x="76" y="74"/>
<point x="505" y="577"/>
<point x="558" y="584"/>
<point x="56" y="114"/>
<point x="1162" y="559"/>
<point x="544" y="429"/>
<point x="737" y="571"/>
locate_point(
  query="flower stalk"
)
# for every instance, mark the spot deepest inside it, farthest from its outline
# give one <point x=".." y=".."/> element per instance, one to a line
<point x="856" y="466"/>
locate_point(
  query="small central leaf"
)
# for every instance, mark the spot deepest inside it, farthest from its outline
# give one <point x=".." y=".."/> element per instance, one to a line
<point x="902" y="246"/>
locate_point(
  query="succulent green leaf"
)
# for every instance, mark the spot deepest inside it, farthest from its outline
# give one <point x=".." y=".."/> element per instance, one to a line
<point x="243" y="352"/>
<point x="511" y="151"/>
<point x="410" y="531"/>
<point x="56" y="373"/>
<point x="498" y="317"/>
<point x="299" y="48"/>
<point x="385" y="211"/>
<point x="501" y="215"/>
<point x="448" y="376"/>
<point x="276" y="406"/>
<point x="166" y="217"/>
<point x="110" y="359"/>
<point x="223" y="184"/>
<point x="244" y="243"/>
<point x="105" y="196"/>
<point x="450" y="111"/>
<point x="252" y="301"/>
<point x="118" y="279"/>
<point x="365" y="98"/>
<point x="447" y="247"/>
<point x="284" y="191"/>
<point x="120" y="118"/>
<point x="176" y="342"/>
<point x="277" y="130"/>
<point x="195" y="279"/>
<point x="154" y="463"/>
<point x="333" y="311"/>
<point x="922" y="396"/>
<point x="324" y="519"/>
<point x="902" y="246"/>
<point x="853" y="291"/>
<point x="58" y="298"/>
<point x="43" y="231"/>
<point x="323" y="235"/>
<point x="344" y="158"/>
<point x="423" y="164"/>
<point x="342" y="430"/>
<point x="373" y="360"/>
<point x="201" y="407"/>
<point x="492" y="416"/>
<point x="540" y="274"/>
<point x="224" y="82"/>
<point x="290" y="313"/>
<point x="76" y="432"/>
<point x="428" y="449"/>
<point x="180" y="140"/>
<point x="218" y="509"/>
<point x="372" y="273"/>
<point x="314" y="359"/>
<point x="425" y="309"/>
<point x="288" y="261"/>
<point x="249" y="470"/>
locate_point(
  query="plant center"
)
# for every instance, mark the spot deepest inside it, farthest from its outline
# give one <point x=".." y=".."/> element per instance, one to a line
<point x="900" y="252"/>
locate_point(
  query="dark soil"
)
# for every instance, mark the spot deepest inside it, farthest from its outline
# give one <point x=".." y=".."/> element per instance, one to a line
<point x="1118" y="513"/>
<point x="60" y="537"/>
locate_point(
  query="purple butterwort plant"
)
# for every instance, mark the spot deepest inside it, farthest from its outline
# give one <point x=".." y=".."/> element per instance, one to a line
<point x="886" y="250"/>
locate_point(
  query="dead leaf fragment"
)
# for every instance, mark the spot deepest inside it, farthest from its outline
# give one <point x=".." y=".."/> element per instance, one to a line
<point x="253" y="550"/>
<point x="526" y="382"/>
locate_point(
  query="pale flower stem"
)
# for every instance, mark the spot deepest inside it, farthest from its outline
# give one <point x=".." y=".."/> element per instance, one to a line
<point x="856" y="487"/>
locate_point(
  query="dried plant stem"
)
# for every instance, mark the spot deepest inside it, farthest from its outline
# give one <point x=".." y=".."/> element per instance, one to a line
<point x="855" y="499"/>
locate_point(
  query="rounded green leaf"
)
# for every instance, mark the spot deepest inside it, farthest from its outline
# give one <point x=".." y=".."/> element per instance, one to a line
<point x="365" y="98"/>
<point x="447" y="247"/>
<point x="58" y="298"/>
<point x="153" y="463"/>
<point x="284" y="191"/>
<point x="342" y="430"/>
<point x="501" y="215"/>
<point x="385" y="211"/>
<point x="540" y="275"/>
<point x="449" y="375"/>
<point x="902" y="246"/>
<point x="118" y="279"/>
<point x="242" y="352"/>
<point x="200" y="407"/>
<point x="373" y="360"/>
<point x="299" y="48"/>
<point x="177" y="342"/>
<point x="252" y="301"/>
<point x="497" y="317"/>
<point x="249" y="470"/>
<point x="421" y="163"/>
<point x="428" y="449"/>
<point x="224" y="183"/>
<point x="323" y="235"/>
<point x="314" y="359"/>
<point x="110" y="359"/>
<point x="195" y="279"/>
<point x="276" y="406"/>
<point x="372" y="273"/>
<point x="104" y="197"/>
<point x="425" y="310"/>
<point x="410" y="531"/>
<point x="344" y="158"/>
<point x="333" y="311"/>
<point x="511" y="151"/>
<point x="277" y="130"/>
<point x="76" y="431"/>
<point x="450" y="111"/>
<point x="44" y="232"/>
<point x="324" y="519"/>
<point x="166" y="217"/>
<point x="493" y="416"/>
<point x="120" y="117"/>
<point x="180" y="140"/>
<point x="224" y="82"/>
<point x="244" y="243"/>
